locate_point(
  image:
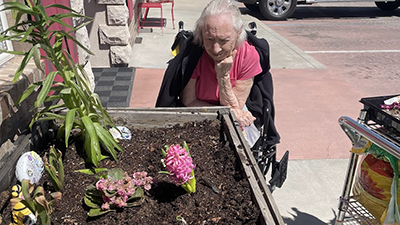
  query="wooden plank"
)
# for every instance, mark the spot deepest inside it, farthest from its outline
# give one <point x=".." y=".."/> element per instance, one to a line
<point x="261" y="192"/>
<point x="151" y="119"/>
<point x="163" y="117"/>
<point x="211" y="109"/>
<point x="9" y="161"/>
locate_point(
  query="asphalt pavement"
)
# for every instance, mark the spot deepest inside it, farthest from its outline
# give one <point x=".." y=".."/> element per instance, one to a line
<point x="309" y="100"/>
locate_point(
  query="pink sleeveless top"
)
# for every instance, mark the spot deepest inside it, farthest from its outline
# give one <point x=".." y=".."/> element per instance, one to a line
<point x="245" y="65"/>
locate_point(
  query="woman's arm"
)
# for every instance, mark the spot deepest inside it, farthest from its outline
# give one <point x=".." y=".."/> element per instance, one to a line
<point x="189" y="95"/>
<point x="235" y="96"/>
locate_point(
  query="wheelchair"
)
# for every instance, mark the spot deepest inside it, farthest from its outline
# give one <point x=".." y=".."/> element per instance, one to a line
<point x="260" y="101"/>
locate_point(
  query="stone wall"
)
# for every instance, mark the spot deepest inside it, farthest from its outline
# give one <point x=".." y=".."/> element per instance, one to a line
<point x="116" y="32"/>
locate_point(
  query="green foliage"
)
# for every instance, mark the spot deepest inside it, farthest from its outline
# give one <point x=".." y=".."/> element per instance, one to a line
<point x="54" y="168"/>
<point x="84" y="110"/>
<point x="38" y="203"/>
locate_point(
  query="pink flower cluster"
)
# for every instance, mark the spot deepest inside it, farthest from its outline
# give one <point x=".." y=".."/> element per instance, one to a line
<point x="142" y="180"/>
<point x="179" y="164"/>
<point x="120" y="190"/>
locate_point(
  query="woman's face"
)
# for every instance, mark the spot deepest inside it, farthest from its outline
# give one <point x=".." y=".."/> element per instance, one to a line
<point x="219" y="36"/>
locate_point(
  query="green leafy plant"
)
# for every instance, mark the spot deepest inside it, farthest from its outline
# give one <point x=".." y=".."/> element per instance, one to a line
<point x="116" y="189"/>
<point x="84" y="110"/>
<point x="54" y="168"/>
<point x="179" y="165"/>
<point x="36" y="201"/>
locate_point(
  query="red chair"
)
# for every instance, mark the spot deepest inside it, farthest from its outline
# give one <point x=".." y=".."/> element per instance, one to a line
<point x="172" y="10"/>
<point x="141" y="21"/>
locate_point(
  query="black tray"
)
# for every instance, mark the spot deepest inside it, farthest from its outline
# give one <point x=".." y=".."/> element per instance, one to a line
<point x="378" y="115"/>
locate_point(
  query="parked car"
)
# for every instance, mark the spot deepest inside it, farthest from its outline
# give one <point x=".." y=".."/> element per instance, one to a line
<point x="281" y="9"/>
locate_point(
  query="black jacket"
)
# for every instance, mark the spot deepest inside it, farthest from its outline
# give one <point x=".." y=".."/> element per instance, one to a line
<point x="180" y="70"/>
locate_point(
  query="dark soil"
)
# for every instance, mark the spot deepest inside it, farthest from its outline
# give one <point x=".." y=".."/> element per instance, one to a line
<point x="223" y="194"/>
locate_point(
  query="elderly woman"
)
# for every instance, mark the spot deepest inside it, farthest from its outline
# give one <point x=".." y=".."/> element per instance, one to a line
<point x="224" y="74"/>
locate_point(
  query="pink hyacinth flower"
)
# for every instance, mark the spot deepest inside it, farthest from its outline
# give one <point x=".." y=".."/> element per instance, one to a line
<point x="179" y="164"/>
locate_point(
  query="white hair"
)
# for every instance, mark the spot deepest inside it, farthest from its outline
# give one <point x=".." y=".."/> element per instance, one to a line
<point x="218" y="7"/>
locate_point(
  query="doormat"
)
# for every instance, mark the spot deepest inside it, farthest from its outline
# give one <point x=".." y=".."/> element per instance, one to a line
<point x="114" y="85"/>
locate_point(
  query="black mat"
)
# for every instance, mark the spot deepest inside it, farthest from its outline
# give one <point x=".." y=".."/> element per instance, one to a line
<point x="114" y="85"/>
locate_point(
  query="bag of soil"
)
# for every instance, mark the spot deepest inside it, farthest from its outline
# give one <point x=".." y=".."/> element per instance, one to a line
<point x="376" y="183"/>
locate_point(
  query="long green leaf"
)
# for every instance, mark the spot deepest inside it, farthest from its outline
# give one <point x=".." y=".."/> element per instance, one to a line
<point x="18" y="7"/>
<point x="36" y="57"/>
<point x="107" y="141"/>
<point x="81" y="95"/>
<point x="28" y="91"/>
<point x="53" y="177"/>
<point x="80" y="26"/>
<point x="91" y="156"/>
<point x="90" y="203"/>
<point x="98" y="212"/>
<point x="92" y="171"/>
<point x="27" y="33"/>
<point x="71" y="15"/>
<point x="16" y="28"/>
<point x="78" y="43"/>
<point x="52" y="116"/>
<point x="43" y="13"/>
<point x="55" y="19"/>
<point x="24" y="62"/>
<point x="45" y="88"/>
<point x="95" y="150"/>
<point x="69" y="121"/>
<point x="12" y="52"/>
<point x="25" y="191"/>
<point x="17" y="16"/>
<point x="60" y="7"/>
<point x="112" y="140"/>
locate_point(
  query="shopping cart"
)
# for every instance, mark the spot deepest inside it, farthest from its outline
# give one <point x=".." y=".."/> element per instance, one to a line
<point x="383" y="130"/>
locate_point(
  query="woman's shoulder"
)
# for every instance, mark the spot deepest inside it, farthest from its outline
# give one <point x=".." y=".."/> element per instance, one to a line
<point x="247" y="50"/>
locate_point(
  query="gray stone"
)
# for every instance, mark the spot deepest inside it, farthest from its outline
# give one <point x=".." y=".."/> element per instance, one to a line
<point x="120" y="54"/>
<point x="78" y="6"/>
<point x="114" y="35"/>
<point x="117" y="15"/>
<point x="88" y="69"/>
<point x="9" y="160"/>
<point x="82" y="36"/>
<point x="6" y="147"/>
<point x="111" y="2"/>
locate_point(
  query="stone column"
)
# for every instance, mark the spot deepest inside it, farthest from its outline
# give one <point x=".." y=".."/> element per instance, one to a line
<point x="82" y="36"/>
<point x="116" y="32"/>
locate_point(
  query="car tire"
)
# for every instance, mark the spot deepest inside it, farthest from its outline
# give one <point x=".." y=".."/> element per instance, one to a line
<point x="252" y="7"/>
<point x="277" y="9"/>
<point x="388" y="6"/>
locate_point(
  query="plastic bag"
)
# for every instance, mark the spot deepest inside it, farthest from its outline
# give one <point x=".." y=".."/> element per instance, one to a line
<point x="251" y="134"/>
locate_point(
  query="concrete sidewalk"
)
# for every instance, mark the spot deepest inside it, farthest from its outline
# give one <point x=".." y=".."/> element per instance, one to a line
<point x="309" y="99"/>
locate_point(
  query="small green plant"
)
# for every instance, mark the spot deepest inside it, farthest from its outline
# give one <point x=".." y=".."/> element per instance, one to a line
<point x="180" y="218"/>
<point x="84" y="110"/>
<point x="116" y="189"/>
<point x="179" y="165"/>
<point x="54" y="168"/>
<point x="37" y="201"/>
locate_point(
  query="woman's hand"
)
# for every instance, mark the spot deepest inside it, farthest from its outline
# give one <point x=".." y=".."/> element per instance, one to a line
<point x="223" y="67"/>
<point x="245" y="118"/>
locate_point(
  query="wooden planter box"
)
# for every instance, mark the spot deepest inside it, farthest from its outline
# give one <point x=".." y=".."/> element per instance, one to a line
<point x="168" y="117"/>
